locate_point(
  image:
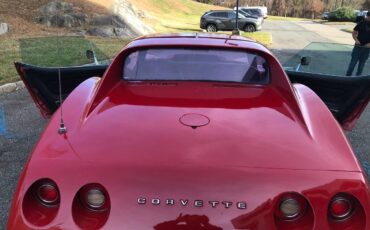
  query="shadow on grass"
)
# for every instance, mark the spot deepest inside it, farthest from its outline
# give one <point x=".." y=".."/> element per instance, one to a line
<point x="347" y="30"/>
<point x="326" y="22"/>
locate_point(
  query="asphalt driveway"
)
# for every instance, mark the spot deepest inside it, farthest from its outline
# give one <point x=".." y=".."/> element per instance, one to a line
<point x="290" y="37"/>
<point x="20" y="129"/>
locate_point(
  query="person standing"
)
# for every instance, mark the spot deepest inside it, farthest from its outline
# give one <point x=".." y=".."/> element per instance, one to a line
<point x="361" y="50"/>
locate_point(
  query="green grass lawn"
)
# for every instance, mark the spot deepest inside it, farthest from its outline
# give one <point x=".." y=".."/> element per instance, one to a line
<point x="264" y="38"/>
<point x="9" y="52"/>
<point x="53" y="51"/>
<point x="165" y="16"/>
<point x="68" y="51"/>
<point x="184" y="16"/>
<point x="175" y="16"/>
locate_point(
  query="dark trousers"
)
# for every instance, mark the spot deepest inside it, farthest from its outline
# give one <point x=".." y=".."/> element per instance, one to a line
<point x="359" y="54"/>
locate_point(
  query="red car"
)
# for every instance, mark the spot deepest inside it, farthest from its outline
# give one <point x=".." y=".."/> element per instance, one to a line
<point x="193" y="132"/>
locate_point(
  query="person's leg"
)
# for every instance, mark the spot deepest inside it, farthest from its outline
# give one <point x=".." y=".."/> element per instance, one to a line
<point x="354" y="60"/>
<point x="363" y="56"/>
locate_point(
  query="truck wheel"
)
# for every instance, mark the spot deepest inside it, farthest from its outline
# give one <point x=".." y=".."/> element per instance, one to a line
<point x="249" y="28"/>
<point x="211" y="28"/>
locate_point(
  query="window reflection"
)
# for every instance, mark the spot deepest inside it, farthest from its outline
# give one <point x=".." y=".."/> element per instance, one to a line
<point x="196" y="65"/>
<point x="326" y="58"/>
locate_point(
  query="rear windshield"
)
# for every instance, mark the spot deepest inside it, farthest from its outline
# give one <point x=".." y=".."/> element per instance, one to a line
<point x="196" y="65"/>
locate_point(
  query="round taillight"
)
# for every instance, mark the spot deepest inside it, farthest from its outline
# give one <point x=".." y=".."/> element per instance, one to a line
<point x="95" y="198"/>
<point x="41" y="202"/>
<point x="48" y="194"/>
<point x="340" y="208"/>
<point x="290" y="208"/>
<point x="91" y="206"/>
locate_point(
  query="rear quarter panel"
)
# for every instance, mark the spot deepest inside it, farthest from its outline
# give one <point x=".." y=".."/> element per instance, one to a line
<point x="321" y="124"/>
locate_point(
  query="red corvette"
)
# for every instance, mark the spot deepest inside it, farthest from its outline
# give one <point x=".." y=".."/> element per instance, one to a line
<point x="193" y="132"/>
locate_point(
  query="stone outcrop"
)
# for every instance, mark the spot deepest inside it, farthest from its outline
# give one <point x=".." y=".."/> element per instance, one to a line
<point x="61" y="14"/>
<point x="66" y="15"/>
<point x="4" y="28"/>
<point x="11" y="87"/>
<point x="108" y="26"/>
<point x="125" y="10"/>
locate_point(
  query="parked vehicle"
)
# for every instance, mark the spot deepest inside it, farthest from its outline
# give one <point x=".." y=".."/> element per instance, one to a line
<point x="225" y="20"/>
<point x="260" y="11"/>
<point x="194" y="131"/>
<point x="364" y="12"/>
<point x="360" y="15"/>
<point x="249" y="13"/>
<point x="325" y="15"/>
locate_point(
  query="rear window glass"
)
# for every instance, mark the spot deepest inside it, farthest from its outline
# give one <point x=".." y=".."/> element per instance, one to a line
<point x="196" y="65"/>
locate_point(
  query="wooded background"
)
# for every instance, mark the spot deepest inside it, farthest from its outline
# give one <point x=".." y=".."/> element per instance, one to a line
<point x="296" y="8"/>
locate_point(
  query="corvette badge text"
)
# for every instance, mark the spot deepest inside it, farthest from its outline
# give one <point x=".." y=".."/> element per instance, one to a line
<point x="193" y="203"/>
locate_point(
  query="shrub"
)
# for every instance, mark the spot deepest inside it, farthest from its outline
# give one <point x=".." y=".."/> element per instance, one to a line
<point x="343" y="14"/>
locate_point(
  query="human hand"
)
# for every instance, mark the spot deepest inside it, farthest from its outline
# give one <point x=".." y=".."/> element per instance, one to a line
<point x="367" y="45"/>
<point x="357" y="42"/>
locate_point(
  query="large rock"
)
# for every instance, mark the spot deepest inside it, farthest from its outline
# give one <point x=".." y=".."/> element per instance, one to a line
<point x="125" y="10"/>
<point x="66" y="20"/>
<point x="121" y="32"/>
<point x="4" y="28"/>
<point x="109" y="31"/>
<point x="61" y="14"/>
<point x="53" y="8"/>
<point x="118" y="27"/>
<point x="107" y="20"/>
<point x="102" y="31"/>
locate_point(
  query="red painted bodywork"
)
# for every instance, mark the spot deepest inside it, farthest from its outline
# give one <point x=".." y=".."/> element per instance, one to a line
<point x="261" y="142"/>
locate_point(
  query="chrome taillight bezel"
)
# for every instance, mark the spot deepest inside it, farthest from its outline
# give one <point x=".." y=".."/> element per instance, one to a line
<point x="83" y="197"/>
<point x="293" y="198"/>
<point x="93" y="206"/>
<point x="346" y="215"/>
<point x="43" y="200"/>
<point x="292" y="216"/>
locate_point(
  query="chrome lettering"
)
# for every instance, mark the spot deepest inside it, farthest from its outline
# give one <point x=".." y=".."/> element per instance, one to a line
<point x="170" y="202"/>
<point x="184" y="202"/>
<point x="227" y="204"/>
<point x="241" y="205"/>
<point x="213" y="203"/>
<point x="198" y="203"/>
<point x="141" y="200"/>
<point x="156" y="201"/>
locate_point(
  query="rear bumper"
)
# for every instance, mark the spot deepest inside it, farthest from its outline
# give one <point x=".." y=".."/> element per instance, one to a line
<point x="259" y="188"/>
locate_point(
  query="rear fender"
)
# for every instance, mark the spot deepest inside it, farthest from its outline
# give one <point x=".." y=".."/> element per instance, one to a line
<point x="320" y="123"/>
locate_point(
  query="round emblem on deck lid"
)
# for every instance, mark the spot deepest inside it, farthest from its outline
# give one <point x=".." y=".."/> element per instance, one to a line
<point x="194" y="120"/>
